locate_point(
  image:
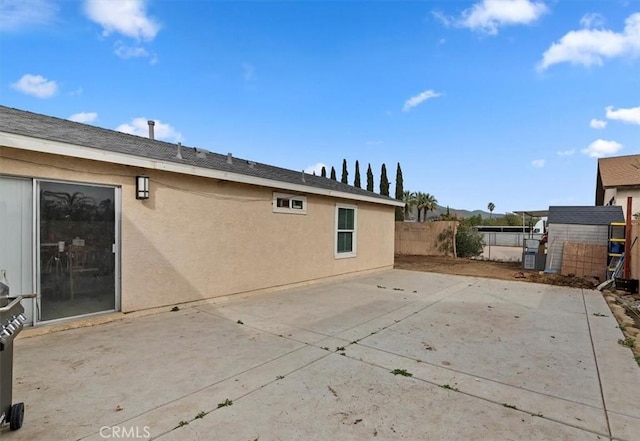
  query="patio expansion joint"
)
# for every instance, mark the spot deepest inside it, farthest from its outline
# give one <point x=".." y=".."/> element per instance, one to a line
<point x="595" y="359"/>
<point x="488" y="400"/>
<point x="246" y="394"/>
<point x="215" y="383"/>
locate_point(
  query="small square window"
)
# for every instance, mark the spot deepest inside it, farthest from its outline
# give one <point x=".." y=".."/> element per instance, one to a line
<point x="288" y="203"/>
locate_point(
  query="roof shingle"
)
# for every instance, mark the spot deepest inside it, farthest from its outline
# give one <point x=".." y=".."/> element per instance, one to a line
<point x="585" y="215"/>
<point x="34" y="125"/>
<point x="619" y="171"/>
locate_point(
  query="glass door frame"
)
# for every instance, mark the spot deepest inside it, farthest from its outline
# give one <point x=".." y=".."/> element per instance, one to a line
<point x="37" y="264"/>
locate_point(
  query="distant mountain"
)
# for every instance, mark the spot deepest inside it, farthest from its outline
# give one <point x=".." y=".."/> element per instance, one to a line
<point x="463" y="213"/>
<point x="458" y="212"/>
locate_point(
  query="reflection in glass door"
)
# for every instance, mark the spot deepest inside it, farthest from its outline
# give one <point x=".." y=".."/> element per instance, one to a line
<point x="77" y="232"/>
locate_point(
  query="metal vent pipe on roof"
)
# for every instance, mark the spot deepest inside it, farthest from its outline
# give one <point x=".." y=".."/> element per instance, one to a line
<point x="229" y="158"/>
<point x="151" y="124"/>
<point x="179" y="154"/>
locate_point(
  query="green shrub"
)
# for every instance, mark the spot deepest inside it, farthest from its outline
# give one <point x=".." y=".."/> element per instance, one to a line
<point x="469" y="243"/>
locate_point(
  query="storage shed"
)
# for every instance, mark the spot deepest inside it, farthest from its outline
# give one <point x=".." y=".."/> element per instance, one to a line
<point x="579" y="225"/>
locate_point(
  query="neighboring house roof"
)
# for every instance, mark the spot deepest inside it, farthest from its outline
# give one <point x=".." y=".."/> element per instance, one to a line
<point x="617" y="171"/>
<point x="22" y="129"/>
<point x="578" y="215"/>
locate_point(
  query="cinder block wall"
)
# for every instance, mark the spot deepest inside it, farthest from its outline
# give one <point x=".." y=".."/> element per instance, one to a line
<point x="422" y="238"/>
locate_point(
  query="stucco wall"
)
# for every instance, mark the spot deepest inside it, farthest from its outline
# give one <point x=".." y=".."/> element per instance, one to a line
<point x="621" y="195"/>
<point x="198" y="238"/>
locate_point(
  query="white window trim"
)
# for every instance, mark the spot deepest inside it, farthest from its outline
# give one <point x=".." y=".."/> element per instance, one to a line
<point x="291" y="197"/>
<point x="354" y="251"/>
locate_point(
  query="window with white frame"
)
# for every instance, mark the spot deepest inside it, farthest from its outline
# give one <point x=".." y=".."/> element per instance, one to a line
<point x="289" y="203"/>
<point x="346" y="234"/>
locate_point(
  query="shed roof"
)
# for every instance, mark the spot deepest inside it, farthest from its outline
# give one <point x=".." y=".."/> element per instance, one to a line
<point x="585" y="215"/>
<point x="161" y="155"/>
<point x="619" y="171"/>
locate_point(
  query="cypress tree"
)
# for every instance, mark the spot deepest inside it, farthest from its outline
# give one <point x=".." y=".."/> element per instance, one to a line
<point x="333" y="174"/>
<point x="369" y="179"/>
<point x="384" y="181"/>
<point x="323" y="172"/>
<point x="356" y="181"/>
<point x="399" y="193"/>
<point x="345" y="173"/>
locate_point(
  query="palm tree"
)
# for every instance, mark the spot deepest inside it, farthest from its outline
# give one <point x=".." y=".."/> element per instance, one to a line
<point x="419" y="197"/>
<point x="491" y="207"/>
<point x="425" y="202"/>
<point x="409" y="199"/>
<point x="430" y="204"/>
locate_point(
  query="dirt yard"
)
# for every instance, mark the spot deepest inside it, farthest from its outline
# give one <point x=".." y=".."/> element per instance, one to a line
<point x="486" y="268"/>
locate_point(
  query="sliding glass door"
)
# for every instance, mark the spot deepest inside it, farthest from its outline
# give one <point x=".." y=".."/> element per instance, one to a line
<point x="77" y="249"/>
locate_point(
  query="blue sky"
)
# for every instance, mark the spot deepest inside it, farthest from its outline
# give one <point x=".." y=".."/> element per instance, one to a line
<point x="509" y="101"/>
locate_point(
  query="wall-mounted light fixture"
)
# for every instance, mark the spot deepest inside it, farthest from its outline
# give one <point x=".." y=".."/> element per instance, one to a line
<point x="142" y="187"/>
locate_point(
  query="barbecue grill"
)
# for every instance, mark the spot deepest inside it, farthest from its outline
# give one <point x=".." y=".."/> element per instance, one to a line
<point x="11" y="323"/>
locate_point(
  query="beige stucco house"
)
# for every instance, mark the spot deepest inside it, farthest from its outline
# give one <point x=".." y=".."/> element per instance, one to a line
<point x="618" y="178"/>
<point x="94" y="220"/>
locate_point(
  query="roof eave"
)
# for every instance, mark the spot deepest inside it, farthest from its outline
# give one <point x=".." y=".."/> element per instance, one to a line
<point x="56" y="147"/>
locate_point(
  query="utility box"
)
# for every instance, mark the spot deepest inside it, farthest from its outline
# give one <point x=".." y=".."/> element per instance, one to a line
<point x="532" y="257"/>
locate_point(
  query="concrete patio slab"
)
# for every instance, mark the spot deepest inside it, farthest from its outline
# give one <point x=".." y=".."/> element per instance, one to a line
<point x="488" y="360"/>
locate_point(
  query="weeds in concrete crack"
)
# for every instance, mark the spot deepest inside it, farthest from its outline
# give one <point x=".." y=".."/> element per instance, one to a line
<point x="181" y="424"/>
<point x="382" y="287"/>
<point x="225" y="403"/>
<point x="240" y="322"/>
<point x="398" y="289"/>
<point x="325" y="348"/>
<point x="402" y="372"/>
<point x="446" y="386"/>
<point x="201" y="414"/>
<point x="510" y="406"/>
<point x="629" y="342"/>
<point x="174" y="309"/>
<point x="622" y="327"/>
<point x="280" y="377"/>
<point x="340" y="348"/>
<point x="599" y="314"/>
<point x="539" y="415"/>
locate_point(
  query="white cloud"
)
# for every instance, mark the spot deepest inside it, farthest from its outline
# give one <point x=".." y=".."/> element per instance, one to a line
<point x="597" y="124"/>
<point x="419" y="99"/>
<point x="566" y="152"/>
<point x="489" y="15"/>
<point x="83" y="117"/>
<point x="316" y="168"/>
<point x="16" y="15"/>
<point x="140" y="127"/>
<point x="123" y="51"/>
<point x="36" y="85"/>
<point x="248" y="72"/>
<point x="601" y="147"/>
<point x="630" y="116"/>
<point x="589" y="47"/>
<point x="538" y="163"/>
<point x="126" y="17"/>
<point x="592" y="20"/>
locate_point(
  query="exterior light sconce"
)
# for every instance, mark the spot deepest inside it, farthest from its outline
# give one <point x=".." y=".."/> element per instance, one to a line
<point x="142" y="187"/>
